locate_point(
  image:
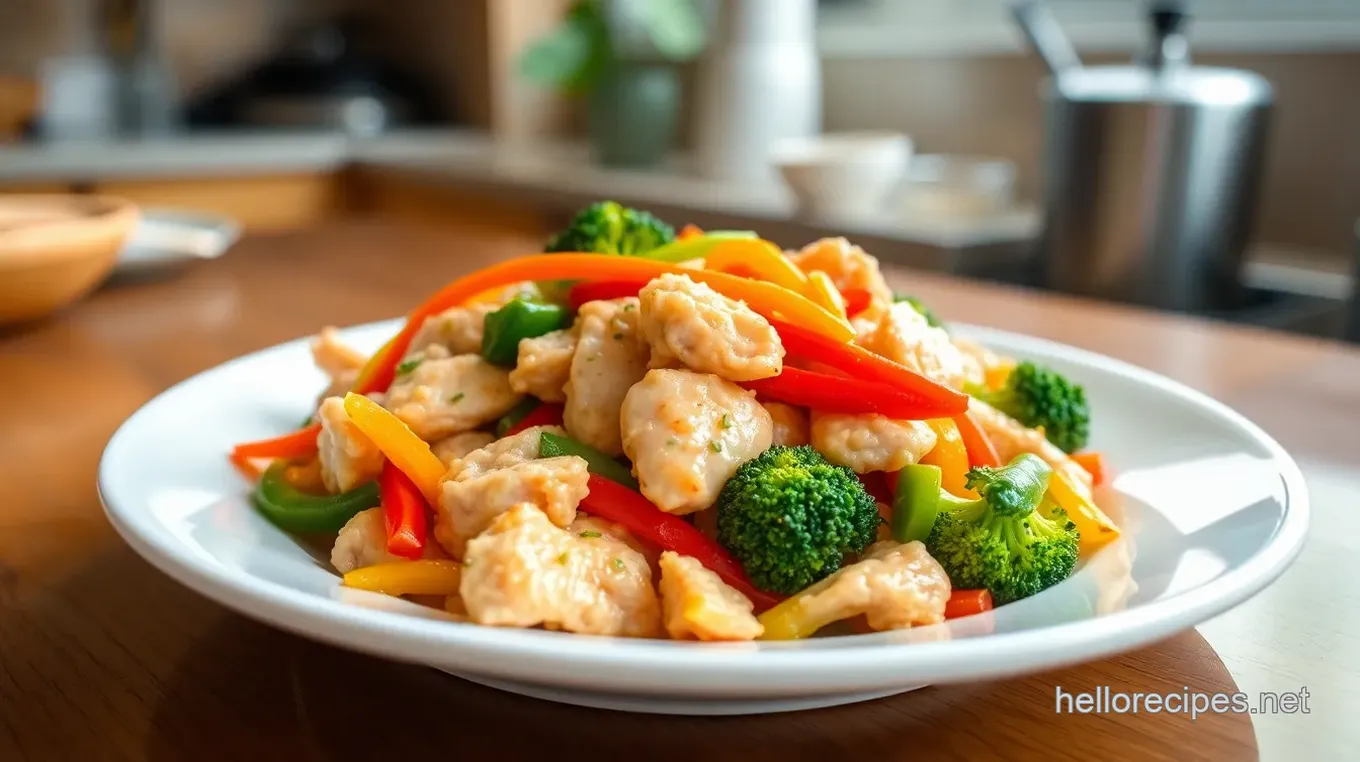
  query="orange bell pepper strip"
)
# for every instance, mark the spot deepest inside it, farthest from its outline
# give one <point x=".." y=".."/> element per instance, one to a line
<point x="690" y="230"/>
<point x="395" y="439"/>
<point x="980" y="449"/>
<point x="761" y="258"/>
<point x="766" y="298"/>
<point x="967" y="603"/>
<point x="951" y="456"/>
<point x="1094" y="464"/>
<point x="403" y="510"/>
<point x="824" y="293"/>
<point x="428" y="576"/>
<point x="858" y="362"/>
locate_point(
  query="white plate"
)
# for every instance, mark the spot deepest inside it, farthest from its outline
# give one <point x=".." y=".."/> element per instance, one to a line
<point x="1214" y="511"/>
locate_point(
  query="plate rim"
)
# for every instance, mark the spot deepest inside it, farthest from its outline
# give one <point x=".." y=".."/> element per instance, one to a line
<point x="863" y="662"/>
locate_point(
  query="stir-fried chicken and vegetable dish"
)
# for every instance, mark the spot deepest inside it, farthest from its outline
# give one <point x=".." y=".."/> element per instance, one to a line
<point x="694" y="436"/>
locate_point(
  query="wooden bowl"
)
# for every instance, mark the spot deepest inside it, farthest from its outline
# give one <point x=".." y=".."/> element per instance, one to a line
<point x="54" y="249"/>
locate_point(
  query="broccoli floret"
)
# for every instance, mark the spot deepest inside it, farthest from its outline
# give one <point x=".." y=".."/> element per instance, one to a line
<point x="1037" y="396"/>
<point x="607" y="227"/>
<point x="1010" y="540"/>
<point x="790" y="517"/>
<point x="921" y="309"/>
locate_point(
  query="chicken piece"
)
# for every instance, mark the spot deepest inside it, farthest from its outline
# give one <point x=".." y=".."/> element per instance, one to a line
<point x="982" y="366"/>
<point x="337" y="360"/>
<point x="457" y="330"/>
<point x="544" y="365"/>
<point x="904" y="336"/>
<point x="502" y="453"/>
<point x="698" y="605"/>
<point x="1010" y="438"/>
<point x="847" y="265"/>
<point x="790" y="424"/>
<point x="333" y="356"/>
<point x="441" y="395"/>
<point x="467" y="506"/>
<point x="525" y="571"/>
<point x="894" y="586"/>
<point x="870" y="442"/>
<point x="363" y="542"/>
<point x="611" y="356"/>
<point x="450" y="450"/>
<point x="348" y="457"/>
<point x="706" y="331"/>
<point x="687" y="433"/>
<point x="589" y="526"/>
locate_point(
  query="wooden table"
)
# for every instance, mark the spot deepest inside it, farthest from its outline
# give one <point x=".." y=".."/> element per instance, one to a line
<point x="102" y="657"/>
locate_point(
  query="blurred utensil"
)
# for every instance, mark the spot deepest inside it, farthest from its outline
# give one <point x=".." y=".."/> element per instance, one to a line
<point x="1039" y="26"/>
<point x="169" y="238"/>
<point x="1151" y="176"/>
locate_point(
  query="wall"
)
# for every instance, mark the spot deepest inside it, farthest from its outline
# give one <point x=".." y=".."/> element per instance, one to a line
<point x="990" y="105"/>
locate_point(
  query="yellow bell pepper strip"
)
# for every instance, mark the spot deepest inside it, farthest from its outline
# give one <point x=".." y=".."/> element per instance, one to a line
<point x="766" y="298"/>
<point x="425" y="577"/>
<point x="824" y="293"/>
<point x="950" y="454"/>
<point x="395" y="439"/>
<point x="859" y="363"/>
<point x="793" y="619"/>
<point x="695" y="247"/>
<point x="1095" y="527"/>
<point x="761" y="258"/>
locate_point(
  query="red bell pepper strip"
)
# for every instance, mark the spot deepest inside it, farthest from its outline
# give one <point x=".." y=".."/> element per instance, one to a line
<point x="967" y="603"/>
<point x="403" y="510"/>
<point x="614" y="502"/>
<point x="543" y="415"/>
<point x="876" y="483"/>
<point x="851" y="396"/>
<point x="856" y="300"/>
<point x="1094" y="464"/>
<point x="980" y="449"/>
<point x="601" y="289"/>
<point x="297" y="445"/>
<point x="860" y="363"/>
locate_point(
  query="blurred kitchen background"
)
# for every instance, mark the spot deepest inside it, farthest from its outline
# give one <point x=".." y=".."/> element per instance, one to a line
<point x="915" y="127"/>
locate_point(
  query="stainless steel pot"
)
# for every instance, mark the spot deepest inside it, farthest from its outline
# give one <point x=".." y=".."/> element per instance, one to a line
<point x="1151" y="176"/>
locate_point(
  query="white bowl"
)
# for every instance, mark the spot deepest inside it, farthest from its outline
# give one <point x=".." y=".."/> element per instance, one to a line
<point x="844" y="175"/>
<point x="1213" y="511"/>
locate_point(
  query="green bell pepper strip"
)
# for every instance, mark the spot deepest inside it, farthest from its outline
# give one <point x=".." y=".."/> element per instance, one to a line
<point x="552" y="446"/>
<point x="518" y="319"/>
<point x="516" y="414"/>
<point x="696" y="247"/>
<point x="916" y="502"/>
<point x="293" y="510"/>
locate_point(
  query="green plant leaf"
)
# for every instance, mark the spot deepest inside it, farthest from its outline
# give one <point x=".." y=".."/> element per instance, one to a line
<point x="572" y="57"/>
<point x="675" y="27"/>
